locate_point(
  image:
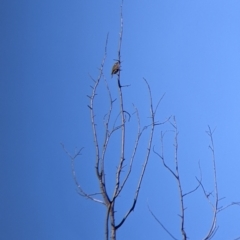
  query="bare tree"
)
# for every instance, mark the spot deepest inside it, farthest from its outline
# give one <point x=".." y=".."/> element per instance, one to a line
<point x="212" y="197"/>
<point x="124" y="166"/>
<point x="107" y="196"/>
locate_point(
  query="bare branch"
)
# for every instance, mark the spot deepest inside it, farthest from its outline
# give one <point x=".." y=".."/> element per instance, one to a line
<point x="162" y="155"/>
<point x="229" y="205"/>
<point x="139" y="134"/>
<point x="146" y="158"/>
<point x="176" y="175"/>
<point x="182" y="209"/>
<point x="161" y="224"/>
<point x="80" y="190"/>
<point x="99" y="173"/>
<point x="207" y="194"/>
<point x="213" y="228"/>
<point x="155" y="110"/>
<point x="111" y="205"/>
<point x="122" y="157"/>
<point x="107" y="134"/>
<point x="199" y="183"/>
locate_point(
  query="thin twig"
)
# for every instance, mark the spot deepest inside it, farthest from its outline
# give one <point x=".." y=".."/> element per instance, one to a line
<point x="199" y="181"/>
<point x="165" y="229"/>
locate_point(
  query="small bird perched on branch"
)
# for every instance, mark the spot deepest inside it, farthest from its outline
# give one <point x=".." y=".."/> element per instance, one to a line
<point x="115" y="68"/>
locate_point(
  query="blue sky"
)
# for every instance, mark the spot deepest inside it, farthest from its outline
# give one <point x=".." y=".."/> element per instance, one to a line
<point x="189" y="50"/>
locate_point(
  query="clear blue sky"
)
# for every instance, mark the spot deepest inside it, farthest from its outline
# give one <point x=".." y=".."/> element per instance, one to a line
<point x="189" y="50"/>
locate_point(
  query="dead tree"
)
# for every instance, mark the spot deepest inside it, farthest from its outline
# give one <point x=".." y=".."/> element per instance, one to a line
<point x="124" y="167"/>
<point x="212" y="197"/>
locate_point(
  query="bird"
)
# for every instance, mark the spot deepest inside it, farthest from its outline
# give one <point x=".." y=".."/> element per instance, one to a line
<point x="115" y="68"/>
